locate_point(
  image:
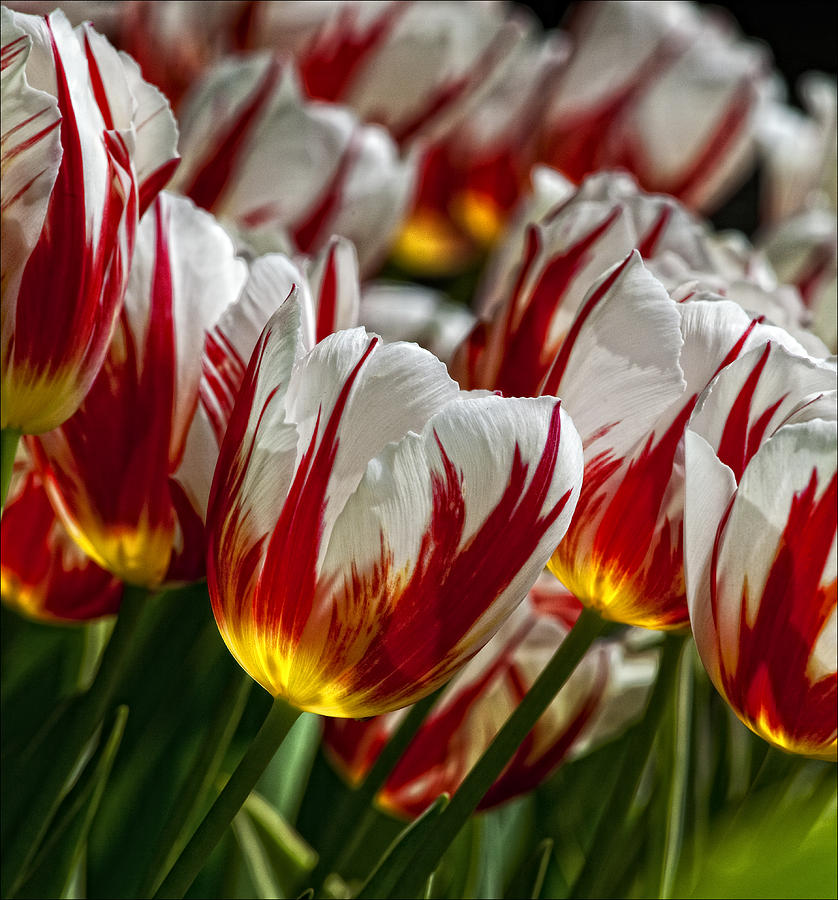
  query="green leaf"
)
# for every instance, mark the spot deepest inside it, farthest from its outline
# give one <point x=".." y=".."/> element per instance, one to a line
<point x="606" y="859"/>
<point x="63" y="749"/>
<point x="382" y="882"/>
<point x="291" y="858"/>
<point x="204" y="770"/>
<point x="672" y="768"/>
<point x="256" y="858"/>
<point x="53" y="869"/>
<point x="529" y="879"/>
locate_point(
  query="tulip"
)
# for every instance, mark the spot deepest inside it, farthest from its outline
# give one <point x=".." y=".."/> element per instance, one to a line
<point x="623" y="555"/>
<point x="605" y="692"/>
<point x="87" y="144"/>
<point x="43" y="573"/>
<point x="257" y="155"/>
<point x="761" y="493"/>
<point x="370" y="527"/>
<point x="629" y="363"/>
<point x="118" y="471"/>
<point x="800" y="239"/>
<point x="561" y="242"/>
<point x="662" y="90"/>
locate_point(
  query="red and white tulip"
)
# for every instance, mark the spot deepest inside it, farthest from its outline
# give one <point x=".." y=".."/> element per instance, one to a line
<point x="258" y="155"/>
<point x="371" y="526"/>
<point x="761" y="492"/>
<point x="631" y="388"/>
<point x="563" y="240"/>
<point x="662" y="89"/>
<point x="87" y="144"/>
<point x="117" y="471"/>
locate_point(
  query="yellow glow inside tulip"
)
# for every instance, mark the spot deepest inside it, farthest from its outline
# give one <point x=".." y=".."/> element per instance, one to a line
<point x="480" y="216"/>
<point x="430" y="245"/>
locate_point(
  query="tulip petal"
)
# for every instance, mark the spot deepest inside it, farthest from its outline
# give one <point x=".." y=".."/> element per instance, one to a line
<point x="773" y="592"/>
<point x="31" y="154"/>
<point x="334" y="282"/>
<point x="418" y="542"/>
<point x="618" y="368"/>
<point x="755" y="395"/>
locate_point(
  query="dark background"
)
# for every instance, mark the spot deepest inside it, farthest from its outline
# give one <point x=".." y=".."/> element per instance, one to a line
<point x="802" y="36"/>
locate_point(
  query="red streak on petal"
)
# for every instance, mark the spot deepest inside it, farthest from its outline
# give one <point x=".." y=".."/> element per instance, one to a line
<point x="554" y="377"/>
<point x="739" y="441"/>
<point x="648" y="244"/>
<point x="96" y="83"/>
<point x="445" y="96"/>
<point x="436" y="756"/>
<point x="332" y="61"/>
<point x="216" y="170"/>
<point x="307" y="233"/>
<point x="11" y="152"/>
<point x="153" y="183"/>
<point x="717" y="146"/>
<point x="450" y="586"/>
<point x="817" y="266"/>
<point x="11" y="51"/>
<point x="120" y="444"/>
<point x="327" y="301"/>
<point x="526" y="771"/>
<point x="527" y="352"/>
<point x="67" y="262"/>
<point x="226" y="520"/>
<point x="223" y="372"/>
<point x="580" y="144"/>
<point x="40" y="563"/>
<point x="286" y="587"/>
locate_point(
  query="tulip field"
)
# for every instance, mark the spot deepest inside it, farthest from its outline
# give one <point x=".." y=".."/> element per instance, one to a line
<point x="419" y="451"/>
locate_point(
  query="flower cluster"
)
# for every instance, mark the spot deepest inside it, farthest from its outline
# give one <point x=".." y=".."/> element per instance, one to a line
<point x="636" y="416"/>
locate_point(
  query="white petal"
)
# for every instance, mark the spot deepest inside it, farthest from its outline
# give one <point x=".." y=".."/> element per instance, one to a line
<point x="710" y="486"/>
<point x="756" y="394"/>
<point x="397" y="389"/>
<point x="623" y="368"/>
<point x="413" y="312"/>
<point x="31" y="154"/>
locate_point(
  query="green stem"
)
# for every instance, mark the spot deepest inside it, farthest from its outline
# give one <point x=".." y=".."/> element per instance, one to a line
<point x="678" y="768"/>
<point x="498" y="754"/>
<point x="8" y="447"/>
<point x="610" y="829"/>
<point x="201" y="776"/>
<point x="84" y="715"/>
<point x="190" y="862"/>
<point x="355" y="804"/>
